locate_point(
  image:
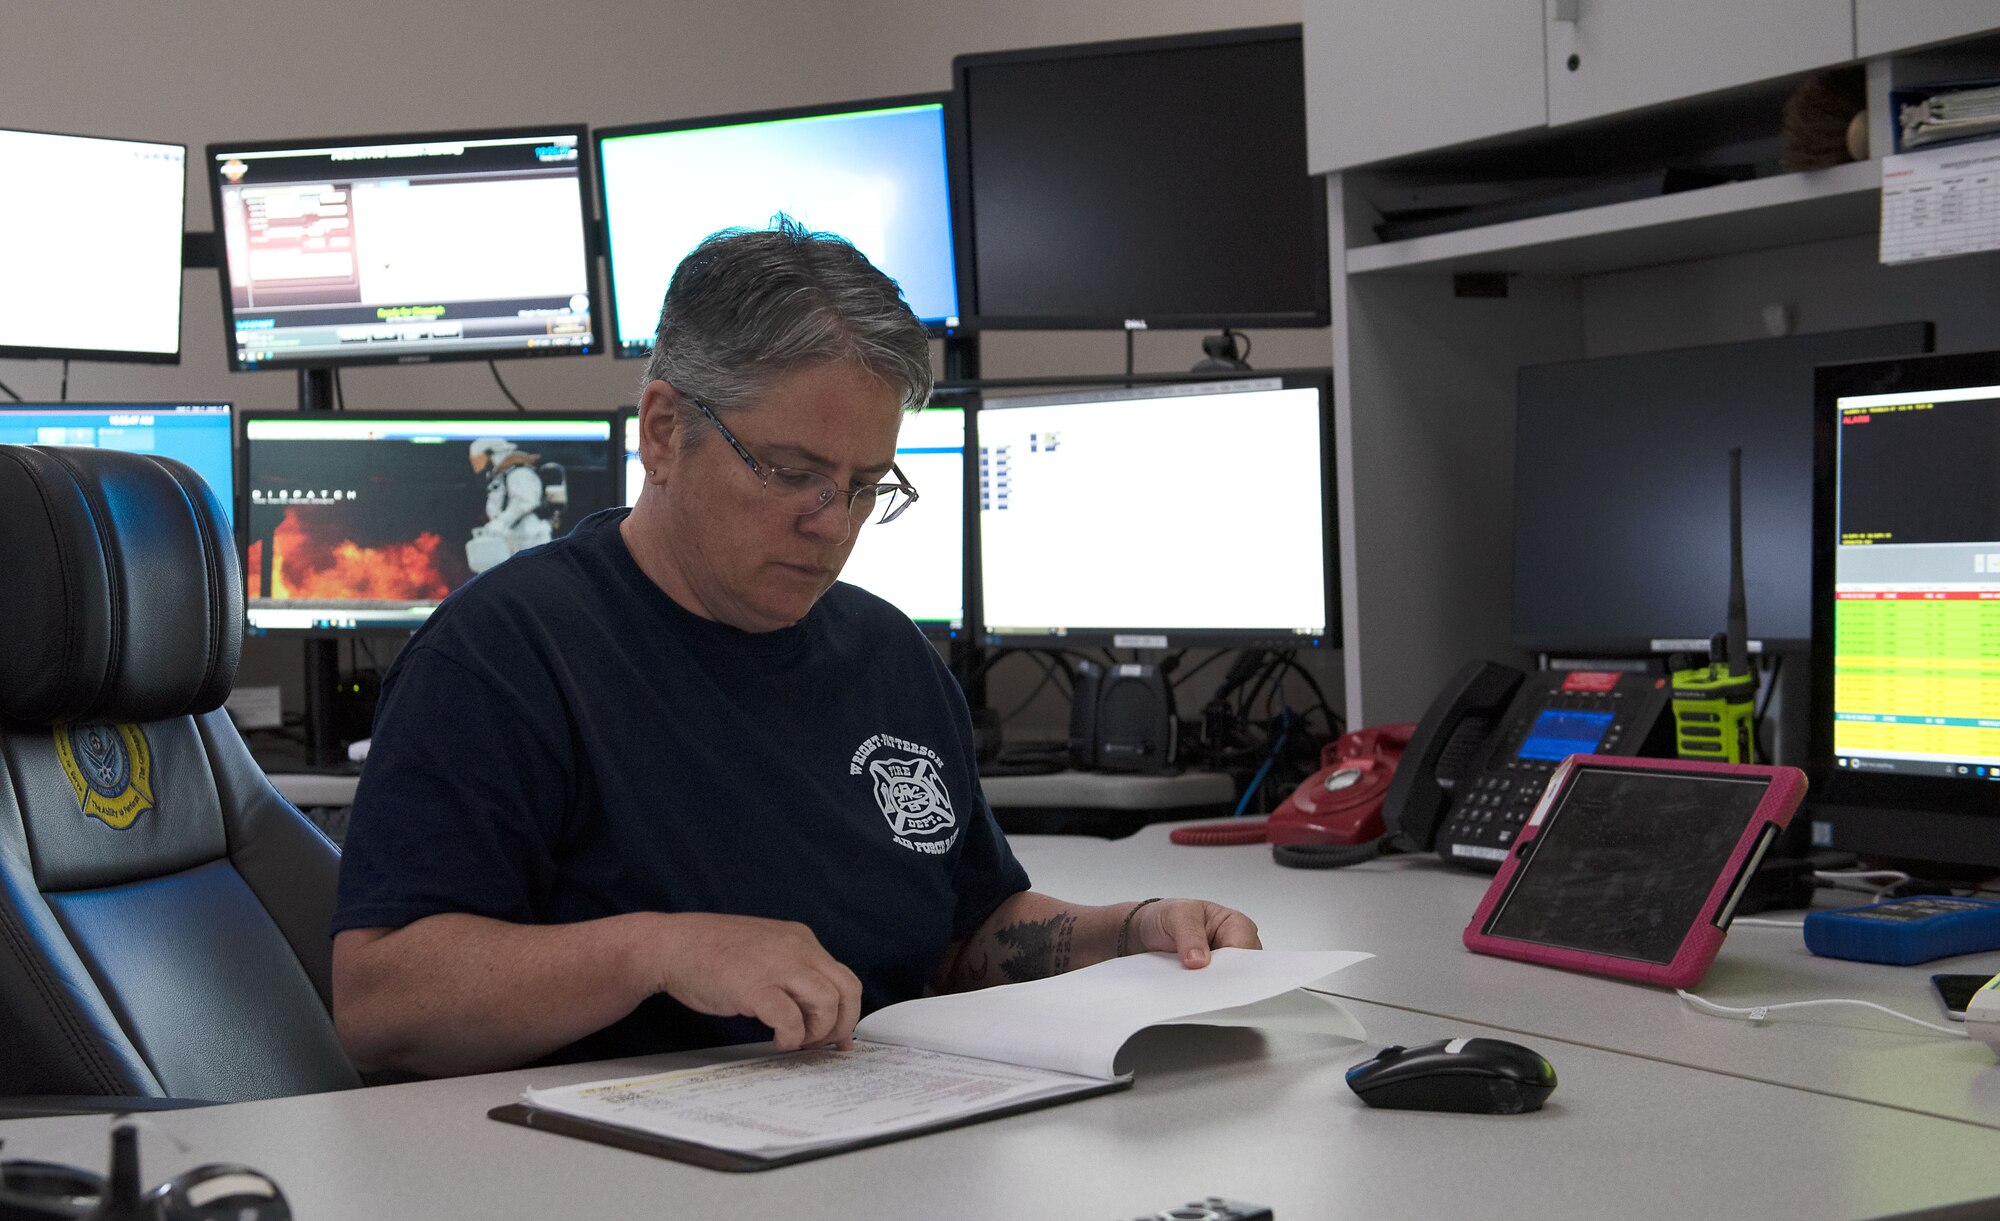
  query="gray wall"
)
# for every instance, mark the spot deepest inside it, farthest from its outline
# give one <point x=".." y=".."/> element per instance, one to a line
<point x="1828" y="286"/>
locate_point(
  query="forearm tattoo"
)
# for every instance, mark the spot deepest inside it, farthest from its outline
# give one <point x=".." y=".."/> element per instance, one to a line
<point x="976" y="975"/>
<point x="1037" y="948"/>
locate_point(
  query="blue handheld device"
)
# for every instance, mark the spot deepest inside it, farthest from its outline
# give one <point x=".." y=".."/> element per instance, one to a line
<point x="1903" y="931"/>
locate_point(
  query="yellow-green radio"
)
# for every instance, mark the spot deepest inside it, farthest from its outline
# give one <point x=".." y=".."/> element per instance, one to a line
<point x="1714" y="707"/>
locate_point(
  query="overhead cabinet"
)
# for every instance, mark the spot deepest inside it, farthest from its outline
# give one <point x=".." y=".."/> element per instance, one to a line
<point x="1383" y="80"/>
<point x="1387" y="80"/>
<point x="1609" y="56"/>
<point x="1882" y="26"/>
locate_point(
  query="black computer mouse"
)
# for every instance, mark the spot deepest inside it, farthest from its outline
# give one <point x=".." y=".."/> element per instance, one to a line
<point x="1486" y="1076"/>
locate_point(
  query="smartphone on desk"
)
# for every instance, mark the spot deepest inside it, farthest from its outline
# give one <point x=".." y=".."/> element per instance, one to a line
<point x="1954" y="992"/>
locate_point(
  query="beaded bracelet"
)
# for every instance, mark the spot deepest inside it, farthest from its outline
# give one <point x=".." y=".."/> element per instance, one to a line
<point x="1125" y="928"/>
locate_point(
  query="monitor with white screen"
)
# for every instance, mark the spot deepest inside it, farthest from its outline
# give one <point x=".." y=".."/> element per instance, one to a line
<point x="92" y="265"/>
<point x="367" y="520"/>
<point x="1905" y="731"/>
<point x="405" y="249"/>
<point x="872" y="172"/>
<point x="199" y="434"/>
<point x="1160" y="516"/>
<point x="635" y="469"/>
<point x="916" y="562"/>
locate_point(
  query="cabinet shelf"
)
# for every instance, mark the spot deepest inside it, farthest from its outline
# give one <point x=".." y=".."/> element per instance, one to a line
<point x="1816" y="205"/>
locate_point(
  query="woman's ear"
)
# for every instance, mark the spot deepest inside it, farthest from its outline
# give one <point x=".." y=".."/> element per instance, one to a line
<point x="660" y="408"/>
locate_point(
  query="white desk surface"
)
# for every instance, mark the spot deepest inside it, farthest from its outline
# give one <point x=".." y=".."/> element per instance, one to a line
<point x="1259" y="1116"/>
<point x="315" y="788"/>
<point x="1110" y="790"/>
<point x="1410" y="912"/>
<point x="1089" y="790"/>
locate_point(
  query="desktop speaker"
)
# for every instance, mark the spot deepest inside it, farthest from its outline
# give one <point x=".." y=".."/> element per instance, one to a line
<point x="1121" y="719"/>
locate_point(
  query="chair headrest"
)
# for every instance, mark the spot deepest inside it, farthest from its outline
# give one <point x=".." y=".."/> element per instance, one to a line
<point x="119" y="591"/>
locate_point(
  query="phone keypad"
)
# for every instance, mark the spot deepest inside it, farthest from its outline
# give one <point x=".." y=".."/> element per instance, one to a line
<point x="1493" y="806"/>
<point x="1502" y="803"/>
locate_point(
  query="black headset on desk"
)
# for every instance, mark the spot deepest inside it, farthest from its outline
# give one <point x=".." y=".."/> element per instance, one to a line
<point x="46" y="1191"/>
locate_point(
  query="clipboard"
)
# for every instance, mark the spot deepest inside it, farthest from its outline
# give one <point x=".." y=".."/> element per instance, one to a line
<point x="711" y="1158"/>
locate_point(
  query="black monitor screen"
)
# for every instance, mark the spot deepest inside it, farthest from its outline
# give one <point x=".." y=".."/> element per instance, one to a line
<point x="1906" y="594"/>
<point x="356" y="521"/>
<point x="199" y="434"/>
<point x="873" y="172"/>
<point x="1161" y="182"/>
<point x="92" y="267"/>
<point x="1158" y="517"/>
<point x="404" y="249"/>
<point x="1621" y="492"/>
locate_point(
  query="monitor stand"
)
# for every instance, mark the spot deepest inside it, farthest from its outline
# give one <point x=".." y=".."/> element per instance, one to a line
<point x="966" y="655"/>
<point x="1957" y="845"/>
<point x="322" y="654"/>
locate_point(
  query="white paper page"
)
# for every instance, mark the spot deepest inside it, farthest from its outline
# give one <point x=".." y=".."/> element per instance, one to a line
<point x="1076" y="1022"/>
<point x="802" y="1100"/>
<point x="1940" y="202"/>
<point x="1297" y="1010"/>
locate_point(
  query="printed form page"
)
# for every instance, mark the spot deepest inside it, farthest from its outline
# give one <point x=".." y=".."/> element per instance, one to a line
<point x="1067" y="1028"/>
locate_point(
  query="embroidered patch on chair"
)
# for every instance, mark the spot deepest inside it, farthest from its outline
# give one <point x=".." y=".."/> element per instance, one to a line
<point x="111" y="769"/>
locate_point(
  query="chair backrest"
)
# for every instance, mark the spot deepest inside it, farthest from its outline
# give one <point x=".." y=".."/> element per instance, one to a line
<point x="164" y="913"/>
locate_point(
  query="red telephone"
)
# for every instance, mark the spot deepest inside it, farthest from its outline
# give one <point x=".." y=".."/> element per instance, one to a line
<point x="1341" y="803"/>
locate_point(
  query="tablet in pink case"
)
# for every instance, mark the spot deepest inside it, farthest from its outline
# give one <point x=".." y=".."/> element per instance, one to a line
<point x="1634" y="867"/>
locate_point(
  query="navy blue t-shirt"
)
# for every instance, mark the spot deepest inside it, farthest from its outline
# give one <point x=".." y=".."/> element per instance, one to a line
<point x="562" y="741"/>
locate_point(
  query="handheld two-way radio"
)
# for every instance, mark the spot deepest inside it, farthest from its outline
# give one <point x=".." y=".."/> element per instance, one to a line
<point x="1714" y="705"/>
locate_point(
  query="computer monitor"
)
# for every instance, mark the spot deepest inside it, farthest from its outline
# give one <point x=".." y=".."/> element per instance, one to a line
<point x="635" y="470"/>
<point x="873" y="172"/>
<point x="1155" y="182"/>
<point x="367" y="520"/>
<point x="1905" y="731"/>
<point x="199" y="434"/>
<point x="917" y="562"/>
<point x="93" y="264"/>
<point x="405" y="249"/>
<point x="1621" y="492"/>
<point x="1159" y="517"/>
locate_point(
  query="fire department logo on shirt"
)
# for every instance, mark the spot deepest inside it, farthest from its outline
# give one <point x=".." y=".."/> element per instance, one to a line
<point x="907" y="781"/>
<point x="111" y="769"/>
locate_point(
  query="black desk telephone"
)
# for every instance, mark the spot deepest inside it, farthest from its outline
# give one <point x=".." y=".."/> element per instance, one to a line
<point x="1472" y="773"/>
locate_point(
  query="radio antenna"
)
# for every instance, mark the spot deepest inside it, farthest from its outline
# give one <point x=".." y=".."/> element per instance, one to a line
<point x="1714" y="705"/>
<point x="1739" y="619"/>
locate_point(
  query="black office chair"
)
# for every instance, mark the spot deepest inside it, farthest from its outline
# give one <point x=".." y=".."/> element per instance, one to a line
<point x="163" y="911"/>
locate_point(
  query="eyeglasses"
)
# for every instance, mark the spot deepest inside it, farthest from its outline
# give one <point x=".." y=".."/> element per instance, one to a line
<point x="804" y="492"/>
<point x="45" y="1191"/>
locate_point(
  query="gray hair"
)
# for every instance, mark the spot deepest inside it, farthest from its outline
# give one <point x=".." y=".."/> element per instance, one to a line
<point x="747" y="306"/>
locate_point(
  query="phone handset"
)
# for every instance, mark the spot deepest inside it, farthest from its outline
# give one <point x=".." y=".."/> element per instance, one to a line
<point x="1461" y="719"/>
